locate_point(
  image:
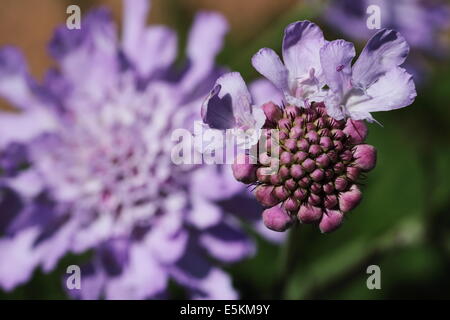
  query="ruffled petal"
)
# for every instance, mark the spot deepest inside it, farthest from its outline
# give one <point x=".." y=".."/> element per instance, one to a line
<point x="386" y="50"/>
<point x="263" y="91"/>
<point x="336" y="58"/>
<point x="203" y="280"/>
<point x="301" y="46"/>
<point x="383" y="95"/>
<point x="226" y="242"/>
<point x="15" y="82"/>
<point x="268" y="63"/>
<point x="229" y="103"/>
<point x="134" y="21"/>
<point x="141" y="278"/>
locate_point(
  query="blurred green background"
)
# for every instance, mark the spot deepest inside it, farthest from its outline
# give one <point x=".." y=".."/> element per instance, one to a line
<point x="403" y="223"/>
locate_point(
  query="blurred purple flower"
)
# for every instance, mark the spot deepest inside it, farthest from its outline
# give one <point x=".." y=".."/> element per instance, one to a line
<point x="95" y="141"/>
<point x="421" y="22"/>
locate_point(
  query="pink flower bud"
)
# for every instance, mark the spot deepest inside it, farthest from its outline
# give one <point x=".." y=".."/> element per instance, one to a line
<point x="312" y="137"/>
<point x="350" y="199"/>
<point x="323" y="161"/>
<point x="296" y="132"/>
<point x="297" y="171"/>
<point x="326" y="143"/>
<point x="309" y="214"/>
<point x="315" y="150"/>
<point x="330" y="201"/>
<point x="300" y="156"/>
<point x="277" y="219"/>
<point x="353" y="173"/>
<point x="317" y="175"/>
<point x="365" y="157"/>
<point x="292" y="111"/>
<point x="331" y="220"/>
<point x="243" y="170"/>
<point x="356" y="130"/>
<point x="290" y="184"/>
<point x="303" y="145"/>
<point x="291" y="204"/>
<point x="286" y="157"/>
<point x="281" y="193"/>
<point x="291" y="144"/>
<point x="273" y="112"/>
<point x="309" y="165"/>
<point x="340" y="184"/>
<point x="264" y="194"/>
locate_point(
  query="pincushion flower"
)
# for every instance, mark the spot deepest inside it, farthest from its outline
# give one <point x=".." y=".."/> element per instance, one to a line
<point x="86" y="162"/>
<point x="322" y="153"/>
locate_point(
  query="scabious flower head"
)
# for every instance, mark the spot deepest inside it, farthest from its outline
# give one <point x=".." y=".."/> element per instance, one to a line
<point x="320" y="162"/>
<point x="86" y="163"/>
<point x="313" y="173"/>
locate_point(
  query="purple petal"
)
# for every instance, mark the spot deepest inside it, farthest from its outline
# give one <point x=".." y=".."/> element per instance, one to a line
<point x="268" y="63"/>
<point x="15" y="82"/>
<point x="135" y="17"/>
<point x="25" y="126"/>
<point x="142" y="277"/>
<point x="301" y="45"/>
<point x="206" y="37"/>
<point x="229" y="103"/>
<point x="386" y="50"/>
<point x="383" y="95"/>
<point x="226" y="242"/>
<point x="18" y="258"/>
<point x="194" y="271"/>
<point x="263" y="91"/>
<point x="157" y="50"/>
<point x="336" y="58"/>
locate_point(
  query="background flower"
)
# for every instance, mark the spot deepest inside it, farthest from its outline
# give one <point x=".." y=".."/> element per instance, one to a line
<point x="95" y="141"/>
<point x="403" y="223"/>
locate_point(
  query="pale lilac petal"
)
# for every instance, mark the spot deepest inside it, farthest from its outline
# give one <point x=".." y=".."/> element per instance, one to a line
<point x="268" y="63"/>
<point x="134" y="21"/>
<point x="206" y="37"/>
<point x="301" y="46"/>
<point x="141" y="278"/>
<point x="383" y="95"/>
<point x="18" y="259"/>
<point x="14" y="78"/>
<point x="205" y="281"/>
<point x="205" y="40"/>
<point x="28" y="183"/>
<point x="25" y="126"/>
<point x="226" y="242"/>
<point x="263" y="91"/>
<point x="336" y="58"/>
<point x="386" y="50"/>
<point x="229" y="103"/>
<point x="157" y="50"/>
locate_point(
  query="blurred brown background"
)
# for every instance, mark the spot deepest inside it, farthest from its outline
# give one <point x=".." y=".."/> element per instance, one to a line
<point x="29" y="24"/>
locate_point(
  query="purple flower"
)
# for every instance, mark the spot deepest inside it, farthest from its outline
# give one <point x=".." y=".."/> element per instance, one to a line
<point x="421" y="22"/>
<point x="367" y="86"/>
<point x="319" y="131"/>
<point x="96" y="140"/>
